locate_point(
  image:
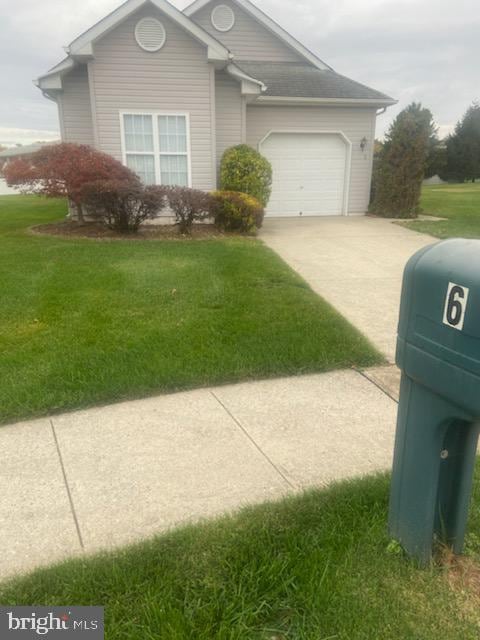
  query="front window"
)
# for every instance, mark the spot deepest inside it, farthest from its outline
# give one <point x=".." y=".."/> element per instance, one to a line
<point x="156" y="147"/>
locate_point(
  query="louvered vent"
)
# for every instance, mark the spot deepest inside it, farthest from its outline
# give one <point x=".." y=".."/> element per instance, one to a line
<point x="150" y="34"/>
<point x="223" y="18"/>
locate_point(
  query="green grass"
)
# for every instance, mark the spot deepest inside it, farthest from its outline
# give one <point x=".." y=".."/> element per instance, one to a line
<point x="459" y="203"/>
<point x="86" y="321"/>
<point x="313" y="567"/>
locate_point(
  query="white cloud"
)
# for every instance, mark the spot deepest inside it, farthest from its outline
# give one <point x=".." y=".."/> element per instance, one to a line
<point x="10" y="136"/>
<point x="445" y="130"/>
<point x="424" y="51"/>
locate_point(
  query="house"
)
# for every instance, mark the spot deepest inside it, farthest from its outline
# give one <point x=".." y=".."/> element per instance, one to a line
<point x="167" y="91"/>
<point x="22" y="151"/>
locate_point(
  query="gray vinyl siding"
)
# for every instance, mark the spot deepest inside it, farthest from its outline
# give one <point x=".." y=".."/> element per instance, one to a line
<point x="75" y="108"/>
<point x="355" y="123"/>
<point x="177" y="78"/>
<point x="248" y="39"/>
<point x="229" y="106"/>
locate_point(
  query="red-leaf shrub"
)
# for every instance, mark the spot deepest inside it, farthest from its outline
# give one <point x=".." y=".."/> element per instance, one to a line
<point x="236" y="211"/>
<point x="188" y="206"/>
<point x="63" y="170"/>
<point x="17" y="172"/>
<point x="123" y="205"/>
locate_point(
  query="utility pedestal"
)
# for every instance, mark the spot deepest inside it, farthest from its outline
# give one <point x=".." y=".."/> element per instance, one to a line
<point x="438" y="352"/>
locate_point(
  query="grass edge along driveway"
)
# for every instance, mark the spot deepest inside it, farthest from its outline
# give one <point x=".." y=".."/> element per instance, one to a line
<point x="84" y="322"/>
<point x="315" y="566"/>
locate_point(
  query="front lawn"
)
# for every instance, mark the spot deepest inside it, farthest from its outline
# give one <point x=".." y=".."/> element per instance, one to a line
<point x="88" y="321"/>
<point x="459" y="203"/>
<point x="313" y="567"/>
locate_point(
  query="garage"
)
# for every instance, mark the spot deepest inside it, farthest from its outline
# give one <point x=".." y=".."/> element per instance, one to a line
<point x="309" y="173"/>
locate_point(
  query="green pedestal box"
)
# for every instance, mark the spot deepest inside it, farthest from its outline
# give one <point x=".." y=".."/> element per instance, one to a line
<point x="438" y="352"/>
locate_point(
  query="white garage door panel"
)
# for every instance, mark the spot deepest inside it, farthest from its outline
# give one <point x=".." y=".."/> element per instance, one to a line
<point x="308" y="173"/>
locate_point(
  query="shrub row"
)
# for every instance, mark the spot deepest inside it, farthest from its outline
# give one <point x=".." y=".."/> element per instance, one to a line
<point x="123" y="207"/>
<point x="97" y="184"/>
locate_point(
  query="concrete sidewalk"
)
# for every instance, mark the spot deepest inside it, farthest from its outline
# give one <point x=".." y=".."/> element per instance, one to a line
<point x="98" y="478"/>
<point x="356" y="263"/>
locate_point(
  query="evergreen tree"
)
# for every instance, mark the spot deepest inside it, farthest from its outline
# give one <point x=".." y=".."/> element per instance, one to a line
<point x="436" y="164"/>
<point x="377" y="155"/>
<point x="463" y="147"/>
<point x="402" y="162"/>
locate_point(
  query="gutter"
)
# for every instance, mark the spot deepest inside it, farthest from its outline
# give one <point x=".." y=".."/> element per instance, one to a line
<point x="346" y="102"/>
<point x="237" y="73"/>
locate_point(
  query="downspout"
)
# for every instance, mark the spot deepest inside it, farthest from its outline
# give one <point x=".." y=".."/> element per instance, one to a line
<point x="45" y="95"/>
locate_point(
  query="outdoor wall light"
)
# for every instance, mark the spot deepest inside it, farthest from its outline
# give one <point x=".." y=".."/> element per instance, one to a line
<point x="363" y="143"/>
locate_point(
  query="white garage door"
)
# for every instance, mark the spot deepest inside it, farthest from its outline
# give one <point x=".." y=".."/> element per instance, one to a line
<point x="308" y="173"/>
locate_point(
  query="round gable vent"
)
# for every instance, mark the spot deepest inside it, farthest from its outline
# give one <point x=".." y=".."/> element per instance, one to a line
<point x="223" y="18"/>
<point x="150" y="34"/>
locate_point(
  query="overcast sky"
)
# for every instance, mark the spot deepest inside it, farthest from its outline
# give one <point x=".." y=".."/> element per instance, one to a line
<point x="422" y="50"/>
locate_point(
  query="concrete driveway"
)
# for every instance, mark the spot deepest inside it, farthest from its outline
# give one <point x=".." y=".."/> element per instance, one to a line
<point x="356" y="263"/>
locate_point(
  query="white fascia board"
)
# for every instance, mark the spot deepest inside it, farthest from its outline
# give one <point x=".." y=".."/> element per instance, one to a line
<point x="345" y="102"/>
<point x="50" y="82"/>
<point x="215" y="55"/>
<point x="82" y="45"/>
<point x="249" y="85"/>
<point x="269" y="24"/>
<point x="85" y="53"/>
<point x="61" y="67"/>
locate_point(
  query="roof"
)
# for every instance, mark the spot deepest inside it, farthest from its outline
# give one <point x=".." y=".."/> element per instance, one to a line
<point x="309" y="81"/>
<point x="81" y="48"/>
<point x="82" y="45"/>
<point x="269" y="24"/>
<point x="25" y="150"/>
<point x="299" y="80"/>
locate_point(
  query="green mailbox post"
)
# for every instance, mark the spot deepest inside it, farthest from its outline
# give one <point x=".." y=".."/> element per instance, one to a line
<point x="438" y="352"/>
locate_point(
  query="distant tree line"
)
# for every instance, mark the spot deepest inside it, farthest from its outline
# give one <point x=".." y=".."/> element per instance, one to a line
<point x="412" y="151"/>
<point x="463" y="148"/>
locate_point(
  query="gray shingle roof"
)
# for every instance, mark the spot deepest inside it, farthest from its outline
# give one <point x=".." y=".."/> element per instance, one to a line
<point x="24" y="150"/>
<point x="300" y="80"/>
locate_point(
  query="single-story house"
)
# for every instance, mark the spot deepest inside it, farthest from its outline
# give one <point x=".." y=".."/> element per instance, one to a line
<point x="166" y="92"/>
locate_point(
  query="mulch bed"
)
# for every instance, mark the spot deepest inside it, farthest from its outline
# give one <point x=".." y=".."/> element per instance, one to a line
<point x="98" y="231"/>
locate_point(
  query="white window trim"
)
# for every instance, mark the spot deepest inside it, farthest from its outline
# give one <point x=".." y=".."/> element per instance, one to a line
<point x="156" y="141"/>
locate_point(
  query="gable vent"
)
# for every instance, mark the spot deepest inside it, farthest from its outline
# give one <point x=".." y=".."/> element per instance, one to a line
<point x="223" y="18"/>
<point x="150" y="34"/>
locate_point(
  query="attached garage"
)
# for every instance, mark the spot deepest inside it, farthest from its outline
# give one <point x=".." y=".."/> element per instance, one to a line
<point x="310" y="173"/>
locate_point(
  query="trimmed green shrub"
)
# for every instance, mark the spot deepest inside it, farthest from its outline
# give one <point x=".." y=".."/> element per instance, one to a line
<point x="236" y="211"/>
<point x="244" y="169"/>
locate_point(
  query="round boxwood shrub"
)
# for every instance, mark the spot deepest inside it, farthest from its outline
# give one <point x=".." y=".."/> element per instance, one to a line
<point x="236" y="211"/>
<point x="244" y="169"/>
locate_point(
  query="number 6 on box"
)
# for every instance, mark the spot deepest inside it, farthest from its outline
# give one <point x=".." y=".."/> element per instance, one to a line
<point x="455" y="306"/>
